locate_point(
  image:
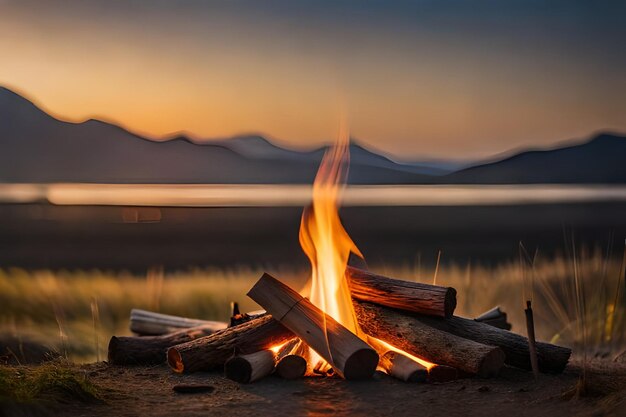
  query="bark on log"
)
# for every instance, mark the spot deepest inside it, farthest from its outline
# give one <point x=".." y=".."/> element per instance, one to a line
<point x="349" y="356"/>
<point x="149" y="323"/>
<point x="150" y="350"/>
<point x="415" y="297"/>
<point x="251" y="367"/>
<point x="213" y="351"/>
<point x="551" y="358"/>
<point x="410" y="335"/>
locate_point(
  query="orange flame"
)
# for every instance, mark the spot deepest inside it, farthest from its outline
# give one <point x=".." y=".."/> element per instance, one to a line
<point x="328" y="246"/>
<point x="326" y="242"/>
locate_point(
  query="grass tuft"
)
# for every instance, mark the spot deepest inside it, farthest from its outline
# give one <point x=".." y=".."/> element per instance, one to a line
<point x="57" y="382"/>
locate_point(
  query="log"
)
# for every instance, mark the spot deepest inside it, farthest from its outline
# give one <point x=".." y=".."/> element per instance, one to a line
<point x="251" y="367"/>
<point x="291" y="367"/>
<point x="213" y="351"/>
<point x="550" y="358"/>
<point x="150" y="350"/>
<point x="143" y="322"/>
<point x="291" y="360"/>
<point x="397" y="364"/>
<point x="402" y="367"/>
<point x="495" y="317"/>
<point x="410" y="335"/>
<point x="415" y="297"/>
<point x="349" y="356"/>
<point x="442" y="373"/>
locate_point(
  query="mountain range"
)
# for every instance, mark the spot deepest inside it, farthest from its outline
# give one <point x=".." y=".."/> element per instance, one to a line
<point x="38" y="148"/>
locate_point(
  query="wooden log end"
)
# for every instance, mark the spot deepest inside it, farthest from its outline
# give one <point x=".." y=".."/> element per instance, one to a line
<point x="112" y="351"/>
<point x="238" y="369"/>
<point x="492" y="363"/>
<point x="175" y="360"/>
<point x="442" y="373"/>
<point x="449" y="302"/>
<point x="291" y="367"/>
<point x="418" y="375"/>
<point x="361" y="364"/>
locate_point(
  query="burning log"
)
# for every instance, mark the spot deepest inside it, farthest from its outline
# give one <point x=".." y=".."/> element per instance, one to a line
<point x="213" y="351"/>
<point x="402" y="367"/>
<point x="291" y="362"/>
<point x="407" y="333"/>
<point x="397" y="364"/>
<point x="416" y="297"/>
<point x="291" y="366"/>
<point x="551" y="358"/>
<point x="349" y="356"/>
<point x="442" y="373"/>
<point x="150" y="350"/>
<point x="149" y="323"/>
<point x="252" y="367"/>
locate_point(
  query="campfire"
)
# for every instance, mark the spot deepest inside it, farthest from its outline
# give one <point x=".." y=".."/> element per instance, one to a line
<point x="347" y="322"/>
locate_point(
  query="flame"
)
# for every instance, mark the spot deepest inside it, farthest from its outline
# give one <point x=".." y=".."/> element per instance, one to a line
<point x="326" y="242"/>
<point x="328" y="247"/>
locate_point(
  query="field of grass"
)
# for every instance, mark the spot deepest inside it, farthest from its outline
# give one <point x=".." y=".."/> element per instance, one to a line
<point x="578" y="301"/>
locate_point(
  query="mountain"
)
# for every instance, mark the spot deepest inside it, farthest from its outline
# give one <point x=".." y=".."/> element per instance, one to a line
<point x="36" y="147"/>
<point x="599" y="160"/>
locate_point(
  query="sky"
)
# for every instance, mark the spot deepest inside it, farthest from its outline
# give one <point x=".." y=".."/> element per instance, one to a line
<point x="415" y="79"/>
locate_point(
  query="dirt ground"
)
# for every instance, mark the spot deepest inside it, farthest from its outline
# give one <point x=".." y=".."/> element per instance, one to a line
<point x="136" y="391"/>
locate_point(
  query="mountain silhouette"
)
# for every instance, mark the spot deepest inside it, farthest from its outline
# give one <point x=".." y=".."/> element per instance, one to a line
<point x="599" y="160"/>
<point x="36" y="147"/>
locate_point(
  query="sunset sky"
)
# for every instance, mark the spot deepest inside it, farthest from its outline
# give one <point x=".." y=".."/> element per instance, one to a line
<point x="461" y="79"/>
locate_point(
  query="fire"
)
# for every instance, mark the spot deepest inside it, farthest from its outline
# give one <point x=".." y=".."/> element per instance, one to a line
<point x="328" y="246"/>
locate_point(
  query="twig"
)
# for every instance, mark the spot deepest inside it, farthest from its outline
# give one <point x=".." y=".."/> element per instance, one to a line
<point x="530" y="328"/>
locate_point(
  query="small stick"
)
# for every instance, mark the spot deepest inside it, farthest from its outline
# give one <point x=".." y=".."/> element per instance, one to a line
<point x="252" y="367"/>
<point x="530" y="327"/>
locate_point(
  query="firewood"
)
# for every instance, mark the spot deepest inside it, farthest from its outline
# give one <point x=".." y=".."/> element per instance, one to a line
<point x="291" y="360"/>
<point x="550" y="358"/>
<point x="402" y="367"/>
<point x="410" y="335"/>
<point x="396" y="364"/>
<point x="150" y="350"/>
<point x="149" y="323"/>
<point x="251" y="367"/>
<point x="495" y="317"/>
<point x="291" y="367"/>
<point x="404" y="295"/>
<point x="213" y="351"/>
<point x="349" y="356"/>
<point x="442" y="373"/>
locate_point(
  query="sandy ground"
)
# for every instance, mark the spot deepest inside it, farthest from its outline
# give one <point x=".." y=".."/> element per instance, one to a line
<point x="135" y="391"/>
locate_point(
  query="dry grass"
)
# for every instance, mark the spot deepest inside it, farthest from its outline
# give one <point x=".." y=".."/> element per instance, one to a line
<point x="54" y="382"/>
<point x="77" y="312"/>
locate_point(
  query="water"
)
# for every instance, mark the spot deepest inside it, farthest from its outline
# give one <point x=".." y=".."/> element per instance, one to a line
<point x="218" y="195"/>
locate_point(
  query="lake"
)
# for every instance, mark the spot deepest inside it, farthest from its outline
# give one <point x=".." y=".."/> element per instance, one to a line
<point x="218" y="195"/>
<point x="137" y="226"/>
